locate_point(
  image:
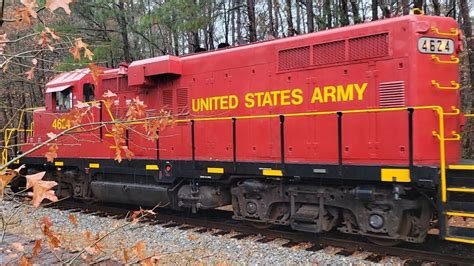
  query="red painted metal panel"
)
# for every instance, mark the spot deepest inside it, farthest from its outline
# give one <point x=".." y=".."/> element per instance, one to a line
<point x="369" y="65"/>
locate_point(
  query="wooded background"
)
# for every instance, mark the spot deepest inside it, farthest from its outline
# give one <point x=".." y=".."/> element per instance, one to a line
<point x="126" y="30"/>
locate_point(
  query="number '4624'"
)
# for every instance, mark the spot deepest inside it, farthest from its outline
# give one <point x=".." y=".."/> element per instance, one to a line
<point x="61" y="123"/>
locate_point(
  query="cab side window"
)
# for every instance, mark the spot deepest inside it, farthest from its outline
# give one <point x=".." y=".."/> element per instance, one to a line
<point x="88" y="92"/>
<point x="64" y="100"/>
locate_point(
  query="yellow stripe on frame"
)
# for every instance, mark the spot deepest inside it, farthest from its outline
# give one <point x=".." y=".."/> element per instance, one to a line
<point x="58" y="163"/>
<point x="271" y="172"/>
<point x="215" y="170"/>
<point x="395" y="175"/>
<point x="152" y="167"/>
<point x="462" y="240"/>
<point x="461" y="167"/>
<point x="94" y="165"/>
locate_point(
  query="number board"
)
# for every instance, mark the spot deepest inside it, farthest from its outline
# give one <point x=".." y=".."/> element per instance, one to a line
<point x="435" y="45"/>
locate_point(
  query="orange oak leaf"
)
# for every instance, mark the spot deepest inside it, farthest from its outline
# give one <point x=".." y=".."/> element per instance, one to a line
<point x="52" y="32"/>
<point x="41" y="189"/>
<point x="7" y="176"/>
<point x="52" y="153"/>
<point x="30" y="5"/>
<point x="55" y="4"/>
<point x="46" y="229"/>
<point x="136" y="109"/>
<point x="36" y="247"/>
<point x="22" y="16"/>
<point x="95" y="72"/>
<point x="87" y="234"/>
<point x="109" y="94"/>
<point x="76" y="49"/>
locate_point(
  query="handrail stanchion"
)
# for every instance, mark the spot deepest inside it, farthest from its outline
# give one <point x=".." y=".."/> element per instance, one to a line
<point x="234" y="142"/>
<point x="410" y="138"/>
<point x="193" y="147"/>
<point x="100" y="117"/>
<point x="158" y="145"/>
<point x="339" y="142"/>
<point x="282" y="141"/>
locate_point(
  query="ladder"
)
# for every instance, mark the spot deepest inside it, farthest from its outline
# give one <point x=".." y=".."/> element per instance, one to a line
<point x="460" y="202"/>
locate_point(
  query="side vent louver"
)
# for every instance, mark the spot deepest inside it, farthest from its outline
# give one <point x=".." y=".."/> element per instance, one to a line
<point x="392" y="94"/>
<point x="168" y="100"/>
<point x="293" y="58"/>
<point x="182" y="101"/>
<point x="368" y="46"/>
<point x="329" y="53"/>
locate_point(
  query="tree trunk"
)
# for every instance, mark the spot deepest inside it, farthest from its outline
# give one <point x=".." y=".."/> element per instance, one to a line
<point x="252" y="23"/>
<point x="271" y="26"/>
<point x="375" y="12"/>
<point x="122" y="22"/>
<point x="239" y="20"/>
<point x="289" y="18"/>
<point x="385" y="9"/>
<point x="436" y="7"/>
<point x="355" y="11"/>
<point x="327" y="14"/>
<point x="309" y="15"/>
<point x="418" y="4"/>
<point x="344" y="13"/>
<point x="298" y="18"/>
<point x="276" y="7"/>
<point x="405" y="7"/>
<point x="468" y="91"/>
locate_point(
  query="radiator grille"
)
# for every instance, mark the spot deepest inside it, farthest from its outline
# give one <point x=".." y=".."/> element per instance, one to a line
<point x="368" y="46"/>
<point x="329" y="53"/>
<point x="168" y="100"/>
<point x="182" y="100"/>
<point x="392" y="94"/>
<point x="293" y="58"/>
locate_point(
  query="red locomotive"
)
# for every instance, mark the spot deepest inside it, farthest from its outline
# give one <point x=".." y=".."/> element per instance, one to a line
<point x="353" y="129"/>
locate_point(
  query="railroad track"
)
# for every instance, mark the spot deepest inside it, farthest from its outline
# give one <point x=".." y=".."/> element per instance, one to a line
<point x="219" y="222"/>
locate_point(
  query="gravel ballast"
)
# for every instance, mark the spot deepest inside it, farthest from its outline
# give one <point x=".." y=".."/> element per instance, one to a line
<point x="165" y="245"/>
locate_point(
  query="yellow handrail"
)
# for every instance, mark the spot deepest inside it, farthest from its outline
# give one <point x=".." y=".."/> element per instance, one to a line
<point x="455" y="85"/>
<point x="456" y="136"/>
<point x="456" y="111"/>
<point x="452" y="31"/>
<point x="453" y="60"/>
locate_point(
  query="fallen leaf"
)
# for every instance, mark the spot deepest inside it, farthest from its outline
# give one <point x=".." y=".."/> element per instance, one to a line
<point x="31" y="180"/>
<point x="126" y="258"/>
<point x="18" y="246"/>
<point x="87" y="234"/>
<point x="37" y="247"/>
<point x="24" y="261"/>
<point x="55" y="4"/>
<point x="82" y="105"/>
<point x="73" y="219"/>
<point x="192" y="237"/>
<point x="91" y="250"/>
<point x="139" y="249"/>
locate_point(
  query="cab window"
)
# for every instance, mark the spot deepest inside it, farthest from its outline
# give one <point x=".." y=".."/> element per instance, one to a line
<point x="88" y="92"/>
<point x="64" y="100"/>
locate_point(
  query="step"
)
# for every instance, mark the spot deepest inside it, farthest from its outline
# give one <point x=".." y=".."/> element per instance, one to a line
<point x="460" y="234"/>
<point x="461" y="167"/>
<point x="461" y="189"/>
<point x="460" y="214"/>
